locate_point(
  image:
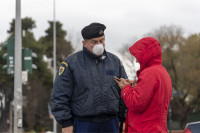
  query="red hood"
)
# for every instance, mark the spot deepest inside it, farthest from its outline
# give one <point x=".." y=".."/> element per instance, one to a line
<point x="147" y="51"/>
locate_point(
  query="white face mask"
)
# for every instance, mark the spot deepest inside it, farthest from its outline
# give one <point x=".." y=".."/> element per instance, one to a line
<point x="137" y="65"/>
<point x="98" y="49"/>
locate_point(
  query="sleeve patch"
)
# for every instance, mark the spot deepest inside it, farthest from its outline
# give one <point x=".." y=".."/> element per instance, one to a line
<point x="122" y="64"/>
<point x="61" y="70"/>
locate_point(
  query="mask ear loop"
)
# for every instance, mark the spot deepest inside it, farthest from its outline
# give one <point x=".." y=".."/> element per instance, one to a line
<point x="89" y="46"/>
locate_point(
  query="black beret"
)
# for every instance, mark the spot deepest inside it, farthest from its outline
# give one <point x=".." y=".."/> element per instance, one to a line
<point x="93" y="30"/>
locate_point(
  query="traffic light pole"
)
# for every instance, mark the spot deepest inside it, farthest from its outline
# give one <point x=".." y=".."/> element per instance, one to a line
<point x="18" y="71"/>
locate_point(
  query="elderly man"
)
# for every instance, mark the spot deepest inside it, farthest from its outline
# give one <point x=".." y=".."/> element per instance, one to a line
<point x="85" y="97"/>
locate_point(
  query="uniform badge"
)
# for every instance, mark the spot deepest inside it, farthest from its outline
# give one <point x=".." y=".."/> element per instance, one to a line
<point x="61" y="70"/>
<point x="100" y="32"/>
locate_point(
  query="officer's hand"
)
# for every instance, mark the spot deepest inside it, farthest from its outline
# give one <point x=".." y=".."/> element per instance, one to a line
<point x="67" y="129"/>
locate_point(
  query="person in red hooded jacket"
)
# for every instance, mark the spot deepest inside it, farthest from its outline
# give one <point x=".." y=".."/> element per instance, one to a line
<point x="148" y="101"/>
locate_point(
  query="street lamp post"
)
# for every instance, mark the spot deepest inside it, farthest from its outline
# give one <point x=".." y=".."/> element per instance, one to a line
<point x="18" y="72"/>
<point x="54" y="56"/>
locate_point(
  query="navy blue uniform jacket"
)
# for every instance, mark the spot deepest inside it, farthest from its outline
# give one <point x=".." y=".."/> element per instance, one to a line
<point x="84" y="88"/>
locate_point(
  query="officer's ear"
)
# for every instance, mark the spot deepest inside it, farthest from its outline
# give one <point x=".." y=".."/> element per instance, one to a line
<point x="84" y="43"/>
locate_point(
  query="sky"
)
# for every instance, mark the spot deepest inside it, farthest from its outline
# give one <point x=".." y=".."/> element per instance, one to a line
<point x="124" y="19"/>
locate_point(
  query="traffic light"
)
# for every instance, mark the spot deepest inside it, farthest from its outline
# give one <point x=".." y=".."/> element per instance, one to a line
<point x="9" y="56"/>
<point x="27" y="55"/>
<point x="27" y="59"/>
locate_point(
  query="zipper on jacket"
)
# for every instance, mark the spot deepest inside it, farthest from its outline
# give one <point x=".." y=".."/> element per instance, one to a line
<point x="99" y="82"/>
<point x="99" y="74"/>
<point x="97" y="66"/>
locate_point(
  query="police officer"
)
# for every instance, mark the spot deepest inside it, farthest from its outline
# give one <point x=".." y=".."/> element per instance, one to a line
<point x="85" y="97"/>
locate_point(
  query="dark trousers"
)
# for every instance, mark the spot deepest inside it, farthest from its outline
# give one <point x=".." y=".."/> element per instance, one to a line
<point x="110" y="126"/>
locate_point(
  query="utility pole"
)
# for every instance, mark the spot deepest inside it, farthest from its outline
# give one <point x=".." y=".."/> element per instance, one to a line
<point x="54" y="56"/>
<point x="18" y="71"/>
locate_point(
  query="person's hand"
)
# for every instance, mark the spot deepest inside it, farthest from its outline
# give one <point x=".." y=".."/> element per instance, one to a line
<point x="131" y="82"/>
<point x="67" y="129"/>
<point x="128" y="81"/>
<point x="121" y="83"/>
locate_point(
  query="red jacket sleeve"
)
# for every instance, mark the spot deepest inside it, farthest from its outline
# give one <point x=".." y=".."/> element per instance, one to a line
<point x="138" y="98"/>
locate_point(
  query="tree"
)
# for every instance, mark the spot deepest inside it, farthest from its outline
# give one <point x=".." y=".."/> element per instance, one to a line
<point x="63" y="47"/>
<point x="189" y="73"/>
<point x="27" y="24"/>
<point x="6" y="93"/>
